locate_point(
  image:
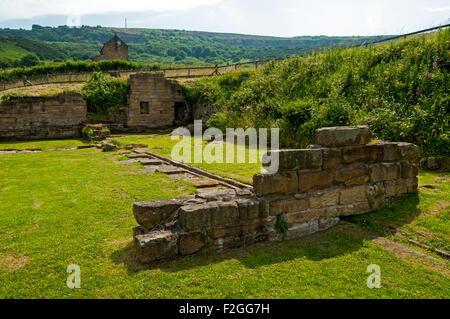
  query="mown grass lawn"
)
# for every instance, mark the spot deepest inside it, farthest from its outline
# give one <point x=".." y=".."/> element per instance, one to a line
<point x="74" y="207"/>
<point x="44" y="145"/>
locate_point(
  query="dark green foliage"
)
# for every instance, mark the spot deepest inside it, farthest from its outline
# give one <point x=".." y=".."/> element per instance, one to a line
<point x="101" y="93"/>
<point x="281" y="226"/>
<point x="75" y="67"/>
<point x="29" y="60"/>
<point x="400" y="90"/>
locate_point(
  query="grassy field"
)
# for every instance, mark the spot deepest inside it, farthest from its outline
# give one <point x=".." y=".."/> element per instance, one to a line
<point x="74" y="207"/>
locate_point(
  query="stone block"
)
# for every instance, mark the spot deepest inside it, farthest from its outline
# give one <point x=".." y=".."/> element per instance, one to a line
<point x="278" y="183"/>
<point x="286" y="205"/>
<point x="308" y="180"/>
<point x="239" y="230"/>
<point x="324" y="198"/>
<point x="157" y="245"/>
<point x="384" y="172"/>
<point x="291" y="160"/>
<point x="327" y="222"/>
<point x="396" y="187"/>
<point x="408" y="170"/>
<point x="295" y="231"/>
<point x="352" y="195"/>
<point x="343" y="136"/>
<point x="191" y="243"/>
<point x="355" y="154"/>
<point x="304" y="216"/>
<point x="390" y="152"/>
<point x="332" y="158"/>
<point x="205" y="216"/>
<point x="408" y="151"/>
<point x="249" y="209"/>
<point x="411" y="184"/>
<point x="152" y="213"/>
<point x="352" y="175"/>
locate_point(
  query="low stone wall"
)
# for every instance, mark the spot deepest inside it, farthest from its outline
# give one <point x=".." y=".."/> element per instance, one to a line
<point x="313" y="187"/>
<point x="435" y="163"/>
<point x="39" y="117"/>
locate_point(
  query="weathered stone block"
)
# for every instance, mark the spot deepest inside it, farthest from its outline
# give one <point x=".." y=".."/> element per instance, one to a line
<point x="290" y="160"/>
<point x="211" y="214"/>
<point x="411" y="185"/>
<point x="304" y="216"/>
<point x="396" y="187"/>
<point x="308" y="180"/>
<point x="384" y="172"/>
<point x="191" y="243"/>
<point x="286" y="205"/>
<point x="390" y="152"/>
<point x="249" y="209"/>
<point x="152" y="213"/>
<point x="408" y="151"/>
<point x="408" y="170"/>
<point x="324" y="198"/>
<point x="156" y="246"/>
<point x="239" y="230"/>
<point x="332" y="158"/>
<point x="327" y="222"/>
<point x="352" y="175"/>
<point x="352" y="195"/>
<point x="272" y="184"/>
<point x="355" y="154"/>
<point x="343" y="136"/>
<point x="295" y="231"/>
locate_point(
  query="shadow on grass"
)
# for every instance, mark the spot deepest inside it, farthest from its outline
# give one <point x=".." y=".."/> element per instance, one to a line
<point x="341" y="240"/>
<point x="389" y="219"/>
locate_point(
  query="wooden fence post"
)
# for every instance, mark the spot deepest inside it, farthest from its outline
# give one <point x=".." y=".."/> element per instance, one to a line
<point x="70" y="77"/>
<point x="189" y="72"/>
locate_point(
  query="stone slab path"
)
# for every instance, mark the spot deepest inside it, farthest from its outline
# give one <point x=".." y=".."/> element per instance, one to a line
<point x="205" y="182"/>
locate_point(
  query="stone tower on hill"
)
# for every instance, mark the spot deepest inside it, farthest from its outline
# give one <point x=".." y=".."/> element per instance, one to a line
<point x="114" y="49"/>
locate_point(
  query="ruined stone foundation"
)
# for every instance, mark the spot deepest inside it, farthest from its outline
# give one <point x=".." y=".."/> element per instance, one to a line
<point x="343" y="175"/>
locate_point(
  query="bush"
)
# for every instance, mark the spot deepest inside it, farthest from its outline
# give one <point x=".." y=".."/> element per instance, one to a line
<point x="101" y="93"/>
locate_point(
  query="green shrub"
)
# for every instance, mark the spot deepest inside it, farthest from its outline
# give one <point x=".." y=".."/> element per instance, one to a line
<point x="102" y="93"/>
<point x="281" y="226"/>
<point x="87" y="133"/>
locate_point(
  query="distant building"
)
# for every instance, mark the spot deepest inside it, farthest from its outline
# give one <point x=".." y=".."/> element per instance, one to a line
<point x="114" y="49"/>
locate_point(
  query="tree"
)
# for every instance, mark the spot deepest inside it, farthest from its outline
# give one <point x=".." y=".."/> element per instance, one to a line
<point x="29" y="60"/>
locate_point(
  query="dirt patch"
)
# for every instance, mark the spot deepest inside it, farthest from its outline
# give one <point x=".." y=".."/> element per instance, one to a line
<point x="441" y="205"/>
<point x="13" y="262"/>
<point x="443" y="179"/>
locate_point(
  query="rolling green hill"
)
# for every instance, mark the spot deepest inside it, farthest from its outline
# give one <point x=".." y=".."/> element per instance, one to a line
<point x="171" y="46"/>
<point x="13" y="49"/>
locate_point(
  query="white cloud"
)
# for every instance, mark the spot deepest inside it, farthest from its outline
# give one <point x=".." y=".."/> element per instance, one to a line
<point x="437" y="9"/>
<point x="26" y="9"/>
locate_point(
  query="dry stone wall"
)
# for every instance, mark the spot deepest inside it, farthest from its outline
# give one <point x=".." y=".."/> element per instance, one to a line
<point x="39" y="117"/>
<point x="342" y="175"/>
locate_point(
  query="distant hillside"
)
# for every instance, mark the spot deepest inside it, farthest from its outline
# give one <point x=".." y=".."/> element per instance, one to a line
<point x="173" y="46"/>
<point x="15" y="48"/>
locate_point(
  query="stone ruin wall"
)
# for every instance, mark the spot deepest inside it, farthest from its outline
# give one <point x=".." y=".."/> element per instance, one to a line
<point x="160" y="94"/>
<point x="112" y="51"/>
<point x="343" y="175"/>
<point x="40" y="117"/>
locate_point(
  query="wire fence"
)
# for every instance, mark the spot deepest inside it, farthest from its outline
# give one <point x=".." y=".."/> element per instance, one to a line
<point x="177" y="73"/>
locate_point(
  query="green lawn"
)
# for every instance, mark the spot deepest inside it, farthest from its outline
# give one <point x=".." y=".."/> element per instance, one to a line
<point x="74" y="207"/>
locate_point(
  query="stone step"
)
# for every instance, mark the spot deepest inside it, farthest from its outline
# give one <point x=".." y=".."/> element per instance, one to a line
<point x="169" y="170"/>
<point x="150" y="161"/>
<point x="205" y="183"/>
<point x="137" y="155"/>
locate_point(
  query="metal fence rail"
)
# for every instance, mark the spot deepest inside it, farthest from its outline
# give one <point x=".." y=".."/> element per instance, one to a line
<point x="174" y="73"/>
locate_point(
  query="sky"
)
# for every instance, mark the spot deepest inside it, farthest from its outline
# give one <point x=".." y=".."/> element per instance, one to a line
<point x="284" y="18"/>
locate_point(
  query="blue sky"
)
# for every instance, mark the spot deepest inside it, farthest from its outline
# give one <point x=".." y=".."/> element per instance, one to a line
<point x="261" y="17"/>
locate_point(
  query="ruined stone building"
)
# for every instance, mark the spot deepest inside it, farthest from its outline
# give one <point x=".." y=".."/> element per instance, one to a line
<point x="114" y="49"/>
<point x="154" y="102"/>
